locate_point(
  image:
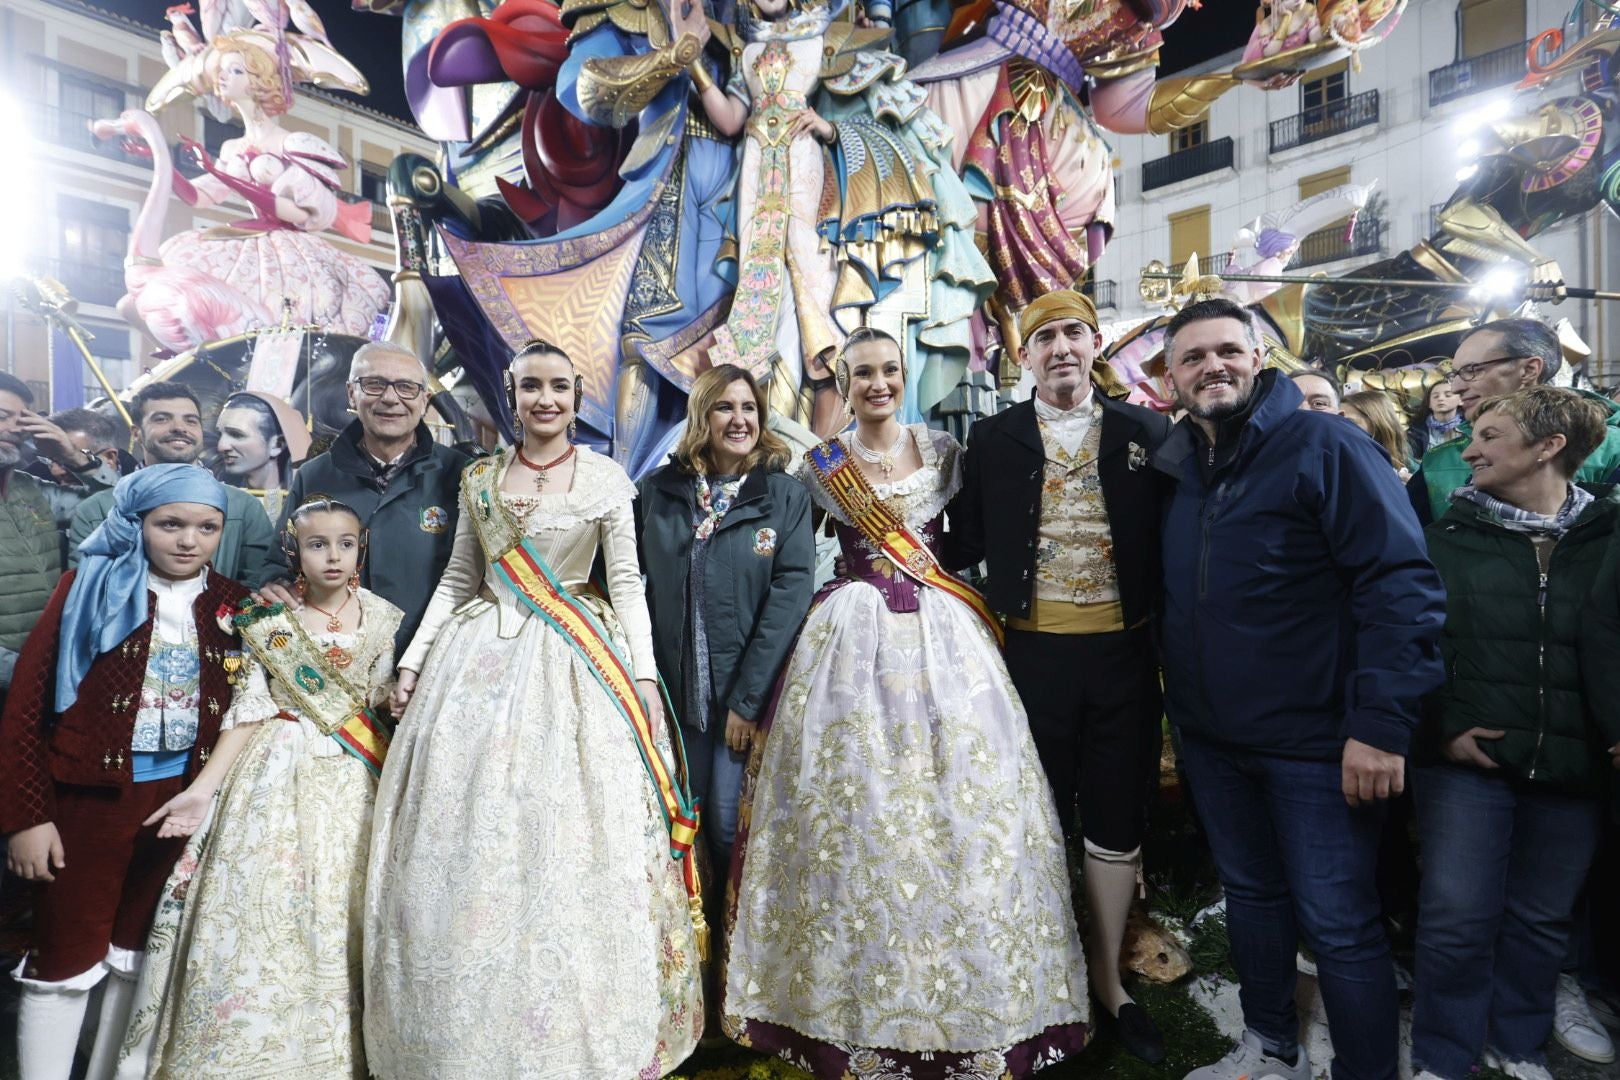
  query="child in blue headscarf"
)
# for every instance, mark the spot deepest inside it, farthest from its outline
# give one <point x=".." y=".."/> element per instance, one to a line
<point x="115" y="706"/>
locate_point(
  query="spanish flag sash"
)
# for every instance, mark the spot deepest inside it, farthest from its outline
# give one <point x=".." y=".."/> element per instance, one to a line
<point x="884" y="528"/>
<point x="324" y="694"/>
<point x="521" y="567"/>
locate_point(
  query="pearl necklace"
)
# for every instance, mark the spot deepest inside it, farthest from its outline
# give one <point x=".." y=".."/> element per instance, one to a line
<point x="884" y="459"/>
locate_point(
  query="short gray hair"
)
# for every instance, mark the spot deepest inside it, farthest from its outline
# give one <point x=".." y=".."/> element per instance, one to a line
<point x="371" y="349"/>
<point x="1526" y="338"/>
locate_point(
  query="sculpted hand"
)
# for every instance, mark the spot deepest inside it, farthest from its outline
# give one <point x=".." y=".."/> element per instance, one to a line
<point x="1464" y="750"/>
<point x="740" y="733"/>
<point x="183" y="814"/>
<point x="809" y="122"/>
<point x="279" y="592"/>
<point x="33" y="853"/>
<point x="1370" y="774"/>
<point x="403" y="690"/>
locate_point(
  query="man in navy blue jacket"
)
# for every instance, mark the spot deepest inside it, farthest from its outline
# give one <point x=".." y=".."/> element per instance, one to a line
<point x="1300" y="633"/>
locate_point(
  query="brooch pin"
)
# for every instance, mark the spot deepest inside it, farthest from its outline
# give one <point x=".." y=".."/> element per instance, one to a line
<point x="1138" y="457"/>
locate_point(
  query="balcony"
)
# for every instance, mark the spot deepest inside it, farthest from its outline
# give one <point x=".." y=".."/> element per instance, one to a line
<point x="1325" y="121"/>
<point x="1105" y="294"/>
<point x="1331" y="244"/>
<point x="1484" y="72"/>
<point x="71" y="131"/>
<point x="90" y="283"/>
<point x="1186" y="164"/>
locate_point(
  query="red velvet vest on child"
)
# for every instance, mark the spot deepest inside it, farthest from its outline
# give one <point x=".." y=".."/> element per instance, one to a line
<point x="90" y="744"/>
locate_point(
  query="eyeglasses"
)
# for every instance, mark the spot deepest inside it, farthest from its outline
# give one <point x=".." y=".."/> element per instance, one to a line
<point x="1470" y="372"/>
<point x="377" y="386"/>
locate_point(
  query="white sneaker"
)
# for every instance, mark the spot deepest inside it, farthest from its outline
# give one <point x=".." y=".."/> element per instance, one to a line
<point x="1249" y="1059"/>
<point x="1519" y="1070"/>
<point x="1574" y="1026"/>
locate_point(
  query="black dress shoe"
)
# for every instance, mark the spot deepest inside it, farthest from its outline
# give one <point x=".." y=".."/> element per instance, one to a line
<point x="1137" y="1032"/>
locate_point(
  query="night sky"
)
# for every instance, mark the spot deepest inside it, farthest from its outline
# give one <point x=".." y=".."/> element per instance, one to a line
<point x="372" y="41"/>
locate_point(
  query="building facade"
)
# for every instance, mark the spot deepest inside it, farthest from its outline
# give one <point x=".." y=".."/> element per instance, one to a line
<point x="1398" y="120"/>
<point x="65" y="64"/>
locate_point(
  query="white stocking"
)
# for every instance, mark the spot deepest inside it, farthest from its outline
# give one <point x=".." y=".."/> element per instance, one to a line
<point x="116" y="1000"/>
<point x="1110" y="880"/>
<point x="48" y="1021"/>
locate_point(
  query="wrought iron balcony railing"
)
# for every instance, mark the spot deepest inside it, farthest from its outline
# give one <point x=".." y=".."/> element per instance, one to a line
<point x="1483" y="72"/>
<point x="71" y="130"/>
<point x="1325" y="121"/>
<point x="1332" y="244"/>
<point x="1185" y="164"/>
<point x="1105" y="294"/>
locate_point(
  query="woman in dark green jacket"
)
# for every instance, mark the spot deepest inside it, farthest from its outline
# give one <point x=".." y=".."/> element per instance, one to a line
<point x="1511" y="761"/>
<point x="729" y="556"/>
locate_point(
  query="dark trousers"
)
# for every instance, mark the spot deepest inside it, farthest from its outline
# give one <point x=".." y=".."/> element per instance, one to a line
<point x="1094" y="707"/>
<point x="108" y="892"/>
<point x="1502" y="864"/>
<point x="1297" y="862"/>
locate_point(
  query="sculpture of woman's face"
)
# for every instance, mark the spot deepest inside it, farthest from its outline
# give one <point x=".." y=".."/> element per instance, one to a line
<point x="772" y="9"/>
<point x="232" y="82"/>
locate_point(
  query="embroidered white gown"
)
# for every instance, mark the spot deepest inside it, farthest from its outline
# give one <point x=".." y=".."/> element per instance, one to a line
<point x="902" y="903"/>
<point x="253" y="966"/>
<point x="524" y="916"/>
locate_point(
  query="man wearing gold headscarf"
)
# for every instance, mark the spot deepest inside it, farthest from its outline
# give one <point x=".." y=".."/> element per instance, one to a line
<point x="1060" y="503"/>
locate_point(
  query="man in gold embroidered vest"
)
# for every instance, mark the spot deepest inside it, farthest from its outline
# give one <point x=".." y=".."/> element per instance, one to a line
<point x="1058" y="500"/>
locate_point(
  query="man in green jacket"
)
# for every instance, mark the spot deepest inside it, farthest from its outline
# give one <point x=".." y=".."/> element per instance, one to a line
<point x="169" y="417"/>
<point x="32" y="514"/>
<point x="1495" y="359"/>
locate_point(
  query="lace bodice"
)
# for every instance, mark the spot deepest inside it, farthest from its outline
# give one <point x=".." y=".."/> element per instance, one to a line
<point x="566" y="529"/>
<point x="918" y="498"/>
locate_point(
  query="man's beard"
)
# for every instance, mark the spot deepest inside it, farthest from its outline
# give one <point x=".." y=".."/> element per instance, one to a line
<point x="10" y="454"/>
<point x="160" y="454"/>
<point x="1222" y="410"/>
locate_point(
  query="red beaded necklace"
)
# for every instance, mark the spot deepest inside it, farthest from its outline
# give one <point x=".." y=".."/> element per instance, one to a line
<point x="541" y="471"/>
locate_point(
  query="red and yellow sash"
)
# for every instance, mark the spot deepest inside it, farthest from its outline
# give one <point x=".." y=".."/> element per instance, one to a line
<point x="881" y="526"/>
<point x="325" y="696"/>
<point x="534" y="583"/>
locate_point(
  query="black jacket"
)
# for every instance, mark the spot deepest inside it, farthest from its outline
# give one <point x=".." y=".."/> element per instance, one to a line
<point x="995" y="516"/>
<point x="1300" y="605"/>
<point x="758" y="580"/>
<point x="412" y="522"/>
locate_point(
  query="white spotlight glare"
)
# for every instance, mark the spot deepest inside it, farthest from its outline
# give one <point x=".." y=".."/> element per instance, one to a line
<point x="1498" y="284"/>
<point x="1468" y="149"/>
<point x="1466" y="173"/>
<point x="14" y="185"/>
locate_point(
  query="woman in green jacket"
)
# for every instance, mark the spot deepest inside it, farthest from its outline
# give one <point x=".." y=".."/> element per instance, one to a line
<point x="1511" y="761"/>
<point x="729" y="556"/>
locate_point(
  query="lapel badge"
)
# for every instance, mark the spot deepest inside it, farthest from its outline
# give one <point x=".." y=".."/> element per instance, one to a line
<point x="435" y="519"/>
<point x="765" y="542"/>
<point x="1138" y="457"/>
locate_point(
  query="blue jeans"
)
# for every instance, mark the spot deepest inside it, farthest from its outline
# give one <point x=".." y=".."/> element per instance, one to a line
<point x="716" y="776"/>
<point x="1502" y="865"/>
<point x="1298" y="863"/>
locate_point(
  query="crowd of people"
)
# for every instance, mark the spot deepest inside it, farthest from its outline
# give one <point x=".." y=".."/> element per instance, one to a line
<point x="416" y="764"/>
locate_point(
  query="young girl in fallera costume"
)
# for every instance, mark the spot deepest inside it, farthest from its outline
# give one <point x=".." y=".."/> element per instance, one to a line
<point x="526" y="913"/>
<point x="255" y="958"/>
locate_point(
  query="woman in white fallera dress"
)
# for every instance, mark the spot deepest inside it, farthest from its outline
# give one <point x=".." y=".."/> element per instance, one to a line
<point x="524" y="914"/>
<point x="900" y="902"/>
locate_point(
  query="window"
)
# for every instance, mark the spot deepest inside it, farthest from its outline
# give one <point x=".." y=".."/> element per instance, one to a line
<point x="79" y="101"/>
<point x="1189" y="137"/>
<point x="1323" y="90"/>
<point x="373" y="184"/>
<point x="1317" y="183"/>
<point x="92" y="238"/>
<point x="1487" y="25"/>
<point x="1189" y="234"/>
<point x="216" y="133"/>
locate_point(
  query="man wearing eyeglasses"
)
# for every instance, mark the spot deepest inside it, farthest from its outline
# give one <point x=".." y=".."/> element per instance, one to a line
<point x="405" y="486"/>
<point x="1495" y="359"/>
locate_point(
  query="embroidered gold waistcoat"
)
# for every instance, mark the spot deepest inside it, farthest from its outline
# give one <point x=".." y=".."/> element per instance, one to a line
<point x="1074" y="552"/>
